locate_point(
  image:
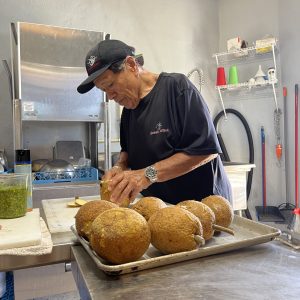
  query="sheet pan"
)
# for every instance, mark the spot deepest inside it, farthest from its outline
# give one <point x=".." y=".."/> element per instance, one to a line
<point x="247" y="233"/>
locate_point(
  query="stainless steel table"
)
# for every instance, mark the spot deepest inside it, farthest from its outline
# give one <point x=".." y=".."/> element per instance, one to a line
<point x="266" y="271"/>
<point x="61" y="252"/>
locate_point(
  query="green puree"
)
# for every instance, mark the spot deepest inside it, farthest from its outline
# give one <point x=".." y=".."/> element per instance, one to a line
<point x="13" y="201"/>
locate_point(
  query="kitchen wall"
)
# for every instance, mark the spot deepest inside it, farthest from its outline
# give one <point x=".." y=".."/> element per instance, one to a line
<point x="172" y="35"/>
<point x="289" y="24"/>
<point x="178" y="35"/>
<point x="253" y="20"/>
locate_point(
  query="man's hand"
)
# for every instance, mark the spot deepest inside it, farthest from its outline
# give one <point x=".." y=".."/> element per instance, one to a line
<point x="127" y="184"/>
<point x="109" y="174"/>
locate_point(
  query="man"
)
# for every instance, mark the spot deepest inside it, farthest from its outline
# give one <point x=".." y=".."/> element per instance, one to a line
<point x="169" y="147"/>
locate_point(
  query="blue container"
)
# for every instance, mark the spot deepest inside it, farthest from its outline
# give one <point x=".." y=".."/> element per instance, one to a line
<point x="78" y="175"/>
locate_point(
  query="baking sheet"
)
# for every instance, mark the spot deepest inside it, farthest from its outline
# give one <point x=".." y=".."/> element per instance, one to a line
<point x="247" y="233"/>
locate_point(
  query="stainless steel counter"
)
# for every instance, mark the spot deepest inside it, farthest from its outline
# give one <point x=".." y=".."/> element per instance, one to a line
<point x="266" y="271"/>
<point x="61" y="241"/>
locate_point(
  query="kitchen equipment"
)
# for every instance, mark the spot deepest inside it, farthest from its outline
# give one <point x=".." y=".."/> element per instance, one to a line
<point x="59" y="216"/>
<point x="292" y="236"/>
<point x="266" y="213"/>
<point x="263" y="151"/>
<point x="287" y="207"/>
<point x="233" y="75"/>
<point x="296" y="149"/>
<point x="23" y="166"/>
<point x="295" y="226"/>
<point x="79" y="175"/>
<point x="251" y="149"/>
<point x="247" y="233"/>
<point x="3" y="160"/>
<point x="265" y="45"/>
<point x="37" y="164"/>
<point x="45" y="69"/>
<point x="221" y="78"/>
<point x="278" y="147"/>
<point x="61" y="168"/>
<point x="70" y="151"/>
<point x="13" y="195"/>
<point x="21" y="232"/>
<point x="200" y="75"/>
<point x="272" y="74"/>
<point x="84" y="163"/>
<point x="2" y="284"/>
<point x="260" y="76"/>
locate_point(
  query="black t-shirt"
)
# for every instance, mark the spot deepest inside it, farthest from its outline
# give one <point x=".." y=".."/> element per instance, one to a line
<point x="174" y="118"/>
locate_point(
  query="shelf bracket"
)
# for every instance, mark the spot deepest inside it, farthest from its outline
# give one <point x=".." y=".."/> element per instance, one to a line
<point x="217" y="60"/>
<point x="222" y="103"/>
<point x="275" y="97"/>
<point x="274" y="58"/>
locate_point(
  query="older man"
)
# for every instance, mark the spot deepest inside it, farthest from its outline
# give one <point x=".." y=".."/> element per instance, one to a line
<point x="169" y="147"/>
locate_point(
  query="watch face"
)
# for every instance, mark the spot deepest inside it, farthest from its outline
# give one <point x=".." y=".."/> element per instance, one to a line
<point x="151" y="173"/>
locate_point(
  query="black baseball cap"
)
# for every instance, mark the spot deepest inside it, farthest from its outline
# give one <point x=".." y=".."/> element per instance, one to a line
<point x="100" y="58"/>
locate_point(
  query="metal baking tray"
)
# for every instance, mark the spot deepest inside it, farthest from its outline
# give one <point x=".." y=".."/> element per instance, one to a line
<point x="247" y="233"/>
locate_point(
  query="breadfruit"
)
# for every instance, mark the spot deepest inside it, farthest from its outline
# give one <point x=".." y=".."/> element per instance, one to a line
<point x="88" y="213"/>
<point x="174" y="229"/>
<point x="222" y="209"/>
<point x="105" y="194"/>
<point x="147" y="206"/>
<point x="120" y="235"/>
<point x="206" y="217"/>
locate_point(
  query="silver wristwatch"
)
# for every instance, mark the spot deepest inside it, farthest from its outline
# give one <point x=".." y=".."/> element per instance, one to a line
<point x="151" y="174"/>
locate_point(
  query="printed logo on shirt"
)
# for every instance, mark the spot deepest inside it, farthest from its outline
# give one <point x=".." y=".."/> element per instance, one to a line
<point x="159" y="129"/>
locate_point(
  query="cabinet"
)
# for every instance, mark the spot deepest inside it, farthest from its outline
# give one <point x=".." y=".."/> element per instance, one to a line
<point x="246" y="56"/>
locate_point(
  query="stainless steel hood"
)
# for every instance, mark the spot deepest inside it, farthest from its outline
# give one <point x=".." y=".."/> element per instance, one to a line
<point x="48" y="67"/>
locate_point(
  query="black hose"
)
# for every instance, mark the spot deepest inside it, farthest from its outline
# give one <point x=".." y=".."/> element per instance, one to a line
<point x="251" y="147"/>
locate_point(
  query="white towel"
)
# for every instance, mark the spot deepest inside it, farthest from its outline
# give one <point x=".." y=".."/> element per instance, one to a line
<point x="44" y="248"/>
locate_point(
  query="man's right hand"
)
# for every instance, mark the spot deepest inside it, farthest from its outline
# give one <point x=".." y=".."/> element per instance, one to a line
<point x="109" y="174"/>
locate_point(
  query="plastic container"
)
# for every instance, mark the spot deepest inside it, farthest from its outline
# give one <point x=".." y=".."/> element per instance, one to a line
<point x="13" y="195"/>
<point x="23" y="166"/>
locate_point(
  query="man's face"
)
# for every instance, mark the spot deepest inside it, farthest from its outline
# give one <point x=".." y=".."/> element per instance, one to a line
<point x="122" y="87"/>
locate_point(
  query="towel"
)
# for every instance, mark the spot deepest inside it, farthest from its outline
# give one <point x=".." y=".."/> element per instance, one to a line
<point x="44" y="248"/>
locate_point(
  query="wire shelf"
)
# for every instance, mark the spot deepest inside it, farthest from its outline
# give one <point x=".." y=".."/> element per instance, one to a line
<point x="246" y="85"/>
<point x="78" y="175"/>
<point x="245" y="53"/>
<point x="250" y="51"/>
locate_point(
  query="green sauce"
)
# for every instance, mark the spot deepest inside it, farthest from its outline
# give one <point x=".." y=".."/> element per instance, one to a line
<point x="13" y="201"/>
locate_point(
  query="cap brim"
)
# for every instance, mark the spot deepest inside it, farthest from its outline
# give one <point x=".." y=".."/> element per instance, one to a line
<point x="88" y="84"/>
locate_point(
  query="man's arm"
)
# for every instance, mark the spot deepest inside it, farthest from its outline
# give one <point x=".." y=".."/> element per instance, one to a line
<point x="130" y="183"/>
<point x="180" y="164"/>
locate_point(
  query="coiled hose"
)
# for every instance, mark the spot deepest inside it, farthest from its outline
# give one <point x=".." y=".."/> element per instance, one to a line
<point x="251" y="147"/>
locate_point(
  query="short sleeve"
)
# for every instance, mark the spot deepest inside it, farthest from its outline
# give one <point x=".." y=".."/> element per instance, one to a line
<point x="194" y="125"/>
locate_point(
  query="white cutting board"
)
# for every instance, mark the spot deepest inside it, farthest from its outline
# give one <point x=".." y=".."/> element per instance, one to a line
<point x="59" y="216"/>
<point x="21" y="232"/>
